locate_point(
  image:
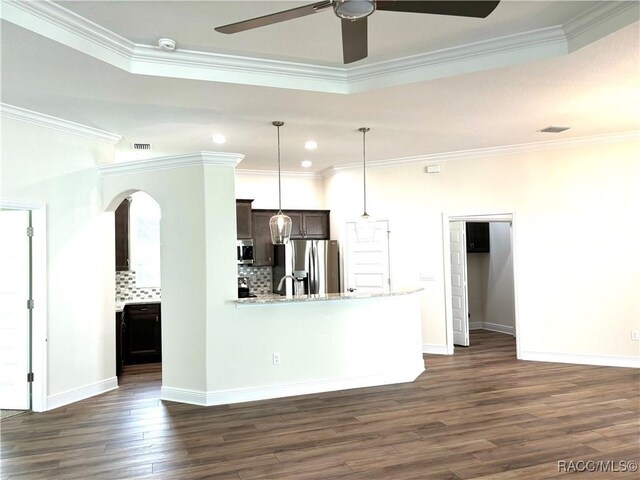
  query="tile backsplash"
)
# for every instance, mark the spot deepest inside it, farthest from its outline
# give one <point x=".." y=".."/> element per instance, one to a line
<point x="126" y="288"/>
<point x="259" y="278"/>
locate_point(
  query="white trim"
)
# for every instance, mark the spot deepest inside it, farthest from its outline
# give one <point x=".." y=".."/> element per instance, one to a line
<point x="601" y="20"/>
<point x="476" y="325"/>
<point x="274" y="173"/>
<point x="217" y="159"/>
<point x="249" y="394"/>
<point x="39" y="319"/>
<point x="80" y="393"/>
<point x="60" y="124"/>
<point x="576" y="358"/>
<point x="61" y="25"/>
<point x="496" y="327"/>
<point x="432" y="349"/>
<point x="489" y="151"/>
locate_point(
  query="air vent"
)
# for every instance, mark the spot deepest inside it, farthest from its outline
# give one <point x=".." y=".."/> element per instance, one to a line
<point x="553" y="129"/>
<point x="141" y="146"/>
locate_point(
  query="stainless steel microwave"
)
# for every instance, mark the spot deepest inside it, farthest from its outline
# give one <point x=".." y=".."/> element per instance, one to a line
<point x="245" y="252"/>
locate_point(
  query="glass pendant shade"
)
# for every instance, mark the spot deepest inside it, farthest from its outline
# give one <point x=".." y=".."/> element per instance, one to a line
<point x="280" y="226"/>
<point x="365" y="229"/>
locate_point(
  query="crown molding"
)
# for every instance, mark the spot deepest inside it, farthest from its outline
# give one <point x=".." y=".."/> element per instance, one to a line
<point x="173" y="161"/>
<point x="274" y="173"/>
<point x="64" y="26"/>
<point x="482" y="55"/>
<point x="487" y="152"/>
<point x="55" y="123"/>
<point x="601" y="20"/>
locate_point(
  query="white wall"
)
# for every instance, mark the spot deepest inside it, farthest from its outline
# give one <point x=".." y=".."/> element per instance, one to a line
<point x="299" y="192"/>
<point x="576" y="229"/>
<point x="499" y="307"/>
<point x="56" y="168"/>
<point x="214" y="352"/>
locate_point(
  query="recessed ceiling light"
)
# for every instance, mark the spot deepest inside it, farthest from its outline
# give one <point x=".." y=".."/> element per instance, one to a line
<point x="306" y="163"/>
<point x="553" y="129"/>
<point x="311" y="145"/>
<point x="219" y="139"/>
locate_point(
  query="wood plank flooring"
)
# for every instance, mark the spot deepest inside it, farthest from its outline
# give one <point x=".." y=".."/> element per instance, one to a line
<point x="479" y="414"/>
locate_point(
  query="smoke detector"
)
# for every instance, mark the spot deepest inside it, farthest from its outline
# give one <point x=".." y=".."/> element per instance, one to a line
<point x="167" y="44"/>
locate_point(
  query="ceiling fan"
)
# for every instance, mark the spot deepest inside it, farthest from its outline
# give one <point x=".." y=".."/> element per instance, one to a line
<point x="354" y="13"/>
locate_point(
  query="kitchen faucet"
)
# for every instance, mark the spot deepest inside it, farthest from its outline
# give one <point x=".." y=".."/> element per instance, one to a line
<point x="296" y="284"/>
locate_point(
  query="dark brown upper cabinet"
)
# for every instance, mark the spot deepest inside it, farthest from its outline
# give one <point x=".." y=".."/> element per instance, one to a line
<point x="244" y="222"/>
<point x="309" y="224"/>
<point x="262" y="246"/>
<point x="477" y="237"/>
<point x="122" y="235"/>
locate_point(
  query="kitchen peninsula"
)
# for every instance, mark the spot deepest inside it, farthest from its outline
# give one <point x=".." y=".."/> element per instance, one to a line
<point x="329" y="342"/>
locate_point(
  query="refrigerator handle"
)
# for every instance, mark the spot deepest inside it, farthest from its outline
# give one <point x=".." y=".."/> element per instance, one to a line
<point x="313" y="270"/>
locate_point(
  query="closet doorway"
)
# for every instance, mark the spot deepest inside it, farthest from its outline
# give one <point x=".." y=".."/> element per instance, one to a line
<point x="480" y="290"/>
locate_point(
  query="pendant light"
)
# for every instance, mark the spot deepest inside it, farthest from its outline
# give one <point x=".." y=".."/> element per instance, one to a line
<point x="279" y="224"/>
<point x="365" y="226"/>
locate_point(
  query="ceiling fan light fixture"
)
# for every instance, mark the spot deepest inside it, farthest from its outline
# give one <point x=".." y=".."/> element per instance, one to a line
<point x="354" y="9"/>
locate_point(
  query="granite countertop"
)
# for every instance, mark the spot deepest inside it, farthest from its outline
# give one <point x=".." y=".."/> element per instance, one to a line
<point x="120" y="304"/>
<point x="276" y="299"/>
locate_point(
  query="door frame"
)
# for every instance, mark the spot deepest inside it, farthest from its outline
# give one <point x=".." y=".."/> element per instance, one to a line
<point x="39" y="351"/>
<point x="506" y="215"/>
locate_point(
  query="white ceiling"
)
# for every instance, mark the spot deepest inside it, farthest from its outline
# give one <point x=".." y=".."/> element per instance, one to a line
<point x="594" y="90"/>
<point x="315" y="38"/>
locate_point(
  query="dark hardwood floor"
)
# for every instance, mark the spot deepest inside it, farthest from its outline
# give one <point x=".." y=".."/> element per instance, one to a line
<point x="479" y="414"/>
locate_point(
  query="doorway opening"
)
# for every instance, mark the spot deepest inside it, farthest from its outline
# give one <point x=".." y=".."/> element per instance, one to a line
<point x="480" y="291"/>
<point x="138" y="285"/>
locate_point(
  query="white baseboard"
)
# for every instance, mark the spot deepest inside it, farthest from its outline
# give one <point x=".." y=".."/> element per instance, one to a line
<point x="224" y="397"/>
<point x="496" y="327"/>
<point x="435" y="349"/>
<point x="601" y="360"/>
<point x="80" y="393"/>
<point x="475" y="325"/>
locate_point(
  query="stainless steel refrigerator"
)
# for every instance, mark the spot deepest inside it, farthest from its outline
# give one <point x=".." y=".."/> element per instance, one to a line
<point x="314" y="264"/>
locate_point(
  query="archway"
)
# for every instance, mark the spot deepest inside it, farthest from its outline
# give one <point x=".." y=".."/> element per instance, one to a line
<point x="138" y="294"/>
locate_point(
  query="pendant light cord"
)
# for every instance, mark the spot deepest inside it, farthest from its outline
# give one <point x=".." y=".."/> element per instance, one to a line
<point x="278" y="124"/>
<point x="364" y="131"/>
<point x="279" y="182"/>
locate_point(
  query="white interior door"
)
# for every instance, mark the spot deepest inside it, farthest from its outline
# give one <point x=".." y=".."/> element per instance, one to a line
<point x="459" y="296"/>
<point x="367" y="263"/>
<point x="14" y="313"/>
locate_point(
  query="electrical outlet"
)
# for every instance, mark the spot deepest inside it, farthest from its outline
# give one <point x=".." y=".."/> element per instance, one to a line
<point x="634" y="335"/>
<point x="276" y="358"/>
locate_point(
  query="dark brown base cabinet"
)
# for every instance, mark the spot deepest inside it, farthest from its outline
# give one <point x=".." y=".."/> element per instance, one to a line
<point x="142" y="334"/>
<point x="119" y="343"/>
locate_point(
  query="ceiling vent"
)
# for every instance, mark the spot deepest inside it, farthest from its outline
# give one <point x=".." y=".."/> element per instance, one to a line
<point x="141" y="146"/>
<point x="553" y="129"/>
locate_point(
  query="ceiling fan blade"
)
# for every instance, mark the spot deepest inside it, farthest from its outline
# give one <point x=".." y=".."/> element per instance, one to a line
<point x="274" y="17"/>
<point x="479" y="9"/>
<point x="354" y="40"/>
